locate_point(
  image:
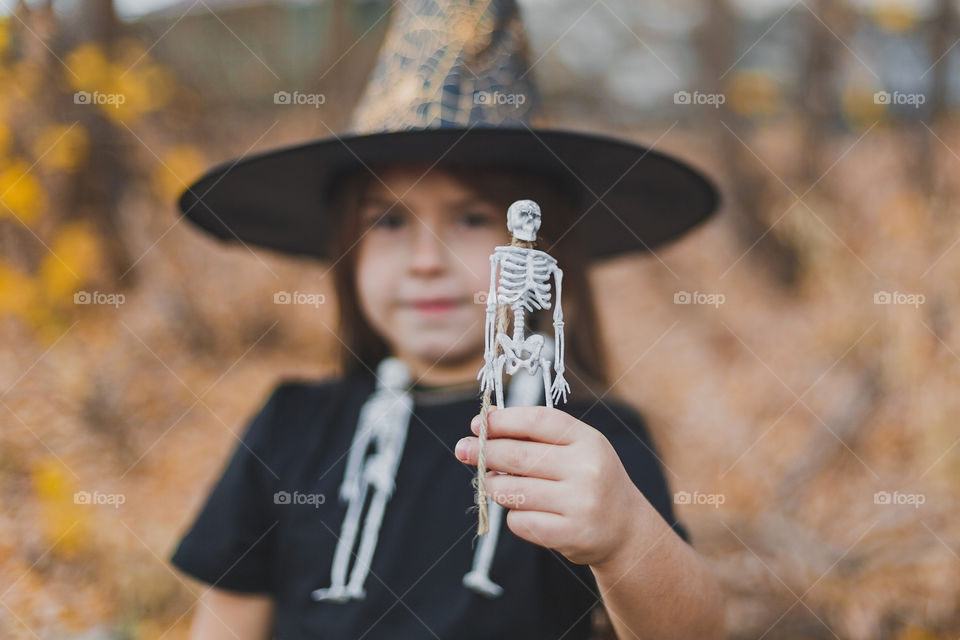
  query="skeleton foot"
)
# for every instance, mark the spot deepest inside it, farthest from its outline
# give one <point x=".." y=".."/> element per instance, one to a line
<point x="478" y="578"/>
<point x="338" y="593"/>
<point x="482" y="584"/>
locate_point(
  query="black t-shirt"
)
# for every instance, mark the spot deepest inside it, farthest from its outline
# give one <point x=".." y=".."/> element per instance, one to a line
<point x="245" y="539"/>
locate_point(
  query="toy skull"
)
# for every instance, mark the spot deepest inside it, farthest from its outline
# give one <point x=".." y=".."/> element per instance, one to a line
<point x="523" y="219"/>
<point x="394" y="373"/>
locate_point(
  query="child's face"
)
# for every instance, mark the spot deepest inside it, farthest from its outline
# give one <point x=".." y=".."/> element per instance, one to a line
<point x="433" y="244"/>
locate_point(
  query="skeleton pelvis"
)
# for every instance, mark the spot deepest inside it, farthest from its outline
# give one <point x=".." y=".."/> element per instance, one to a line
<point x="518" y="354"/>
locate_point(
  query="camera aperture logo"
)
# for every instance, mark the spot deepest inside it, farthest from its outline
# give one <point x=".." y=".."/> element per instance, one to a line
<point x="299" y="98"/>
<point x="898" y="97"/>
<point x="299" y="297"/>
<point x="99" y="297"/>
<point x="499" y="98"/>
<point x="96" y="97"/>
<point x="699" y="98"/>
<point x="899" y="297"/>
<point x="895" y="497"/>
<point x="510" y="500"/>
<point x="699" y="297"/>
<point x="712" y="499"/>
<point x="313" y="499"/>
<point x="96" y="497"/>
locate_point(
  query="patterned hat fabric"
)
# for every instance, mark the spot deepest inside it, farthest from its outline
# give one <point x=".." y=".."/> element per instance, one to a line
<point x="452" y="86"/>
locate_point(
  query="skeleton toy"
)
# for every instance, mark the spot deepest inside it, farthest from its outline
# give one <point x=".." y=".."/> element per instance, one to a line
<point x="524" y="286"/>
<point x="383" y="423"/>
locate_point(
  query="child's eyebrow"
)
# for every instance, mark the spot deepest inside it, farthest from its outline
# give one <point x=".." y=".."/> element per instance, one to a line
<point x="379" y="201"/>
<point x="371" y="201"/>
<point x="380" y="206"/>
<point x="468" y="202"/>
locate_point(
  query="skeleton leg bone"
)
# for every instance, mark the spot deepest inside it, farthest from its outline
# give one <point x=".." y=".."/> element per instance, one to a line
<point x="371" y="527"/>
<point x="524" y="392"/>
<point x="341" y="558"/>
<point x="384" y="420"/>
<point x="545" y="365"/>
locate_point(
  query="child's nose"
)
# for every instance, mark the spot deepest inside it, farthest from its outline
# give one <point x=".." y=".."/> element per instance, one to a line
<point x="428" y="252"/>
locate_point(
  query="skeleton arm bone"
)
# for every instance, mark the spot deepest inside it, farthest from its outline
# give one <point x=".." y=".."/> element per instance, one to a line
<point x="560" y="387"/>
<point x="358" y="449"/>
<point x="489" y="334"/>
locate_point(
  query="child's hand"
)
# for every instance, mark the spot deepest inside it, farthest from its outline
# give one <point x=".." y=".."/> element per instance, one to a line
<point x="567" y="489"/>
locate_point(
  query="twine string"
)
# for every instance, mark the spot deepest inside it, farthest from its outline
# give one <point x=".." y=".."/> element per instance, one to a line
<point x="503" y="319"/>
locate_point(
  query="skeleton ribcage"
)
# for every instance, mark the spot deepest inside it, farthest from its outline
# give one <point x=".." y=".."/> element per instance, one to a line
<point x="525" y="278"/>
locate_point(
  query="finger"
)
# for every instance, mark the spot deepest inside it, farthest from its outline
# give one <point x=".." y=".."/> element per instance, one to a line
<point x="539" y="527"/>
<point x="519" y="457"/>
<point x="539" y="423"/>
<point x="527" y="494"/>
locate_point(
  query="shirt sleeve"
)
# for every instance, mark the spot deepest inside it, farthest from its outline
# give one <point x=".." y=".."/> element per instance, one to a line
<point x="230" y="543"/>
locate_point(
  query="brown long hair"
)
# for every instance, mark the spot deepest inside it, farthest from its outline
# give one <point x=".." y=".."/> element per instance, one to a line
<point x="362" y="348"/>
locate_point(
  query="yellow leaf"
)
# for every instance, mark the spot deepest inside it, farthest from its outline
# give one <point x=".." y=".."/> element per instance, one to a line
<point x="61" y="147"/>
<point x="861" y="106"/>
<point x="181" y="165"/>
<point x="90" y="68"/>
<point x="27" y="77"/>
<point x="132" y="95"/>
<point x="753" y="93"/>
<point x="894" y="17"/>
<point x="17" y="294"/>
<point x="21" y="194"/>
<point x="74" y="256"/>
<point x="5" y="137"/>
<point x="64" y="521"/>
<point x="4" y="34"/>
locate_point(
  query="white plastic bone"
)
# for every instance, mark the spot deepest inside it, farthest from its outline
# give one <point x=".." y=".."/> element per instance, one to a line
<point x="525" y="390"/>
<point x="383" y="423"/>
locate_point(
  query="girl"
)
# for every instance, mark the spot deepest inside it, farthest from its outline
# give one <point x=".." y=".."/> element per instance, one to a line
<point x="589" y="517"/>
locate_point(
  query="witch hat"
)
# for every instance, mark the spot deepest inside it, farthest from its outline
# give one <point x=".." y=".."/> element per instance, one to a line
<point x="452" y="85"/>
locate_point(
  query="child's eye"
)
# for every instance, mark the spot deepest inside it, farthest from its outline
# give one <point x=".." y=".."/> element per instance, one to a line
<point x="477" y="219"/>
<point x="387" y="221"/>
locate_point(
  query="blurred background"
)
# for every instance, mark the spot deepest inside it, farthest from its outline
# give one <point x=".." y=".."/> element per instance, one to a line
<point x="797" y="358"/>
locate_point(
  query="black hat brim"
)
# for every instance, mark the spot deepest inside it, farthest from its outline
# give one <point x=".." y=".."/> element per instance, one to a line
<point x="279" y="199"/>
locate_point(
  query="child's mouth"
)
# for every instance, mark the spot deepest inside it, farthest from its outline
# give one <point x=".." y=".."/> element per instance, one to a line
<point x="436" y="306"/>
